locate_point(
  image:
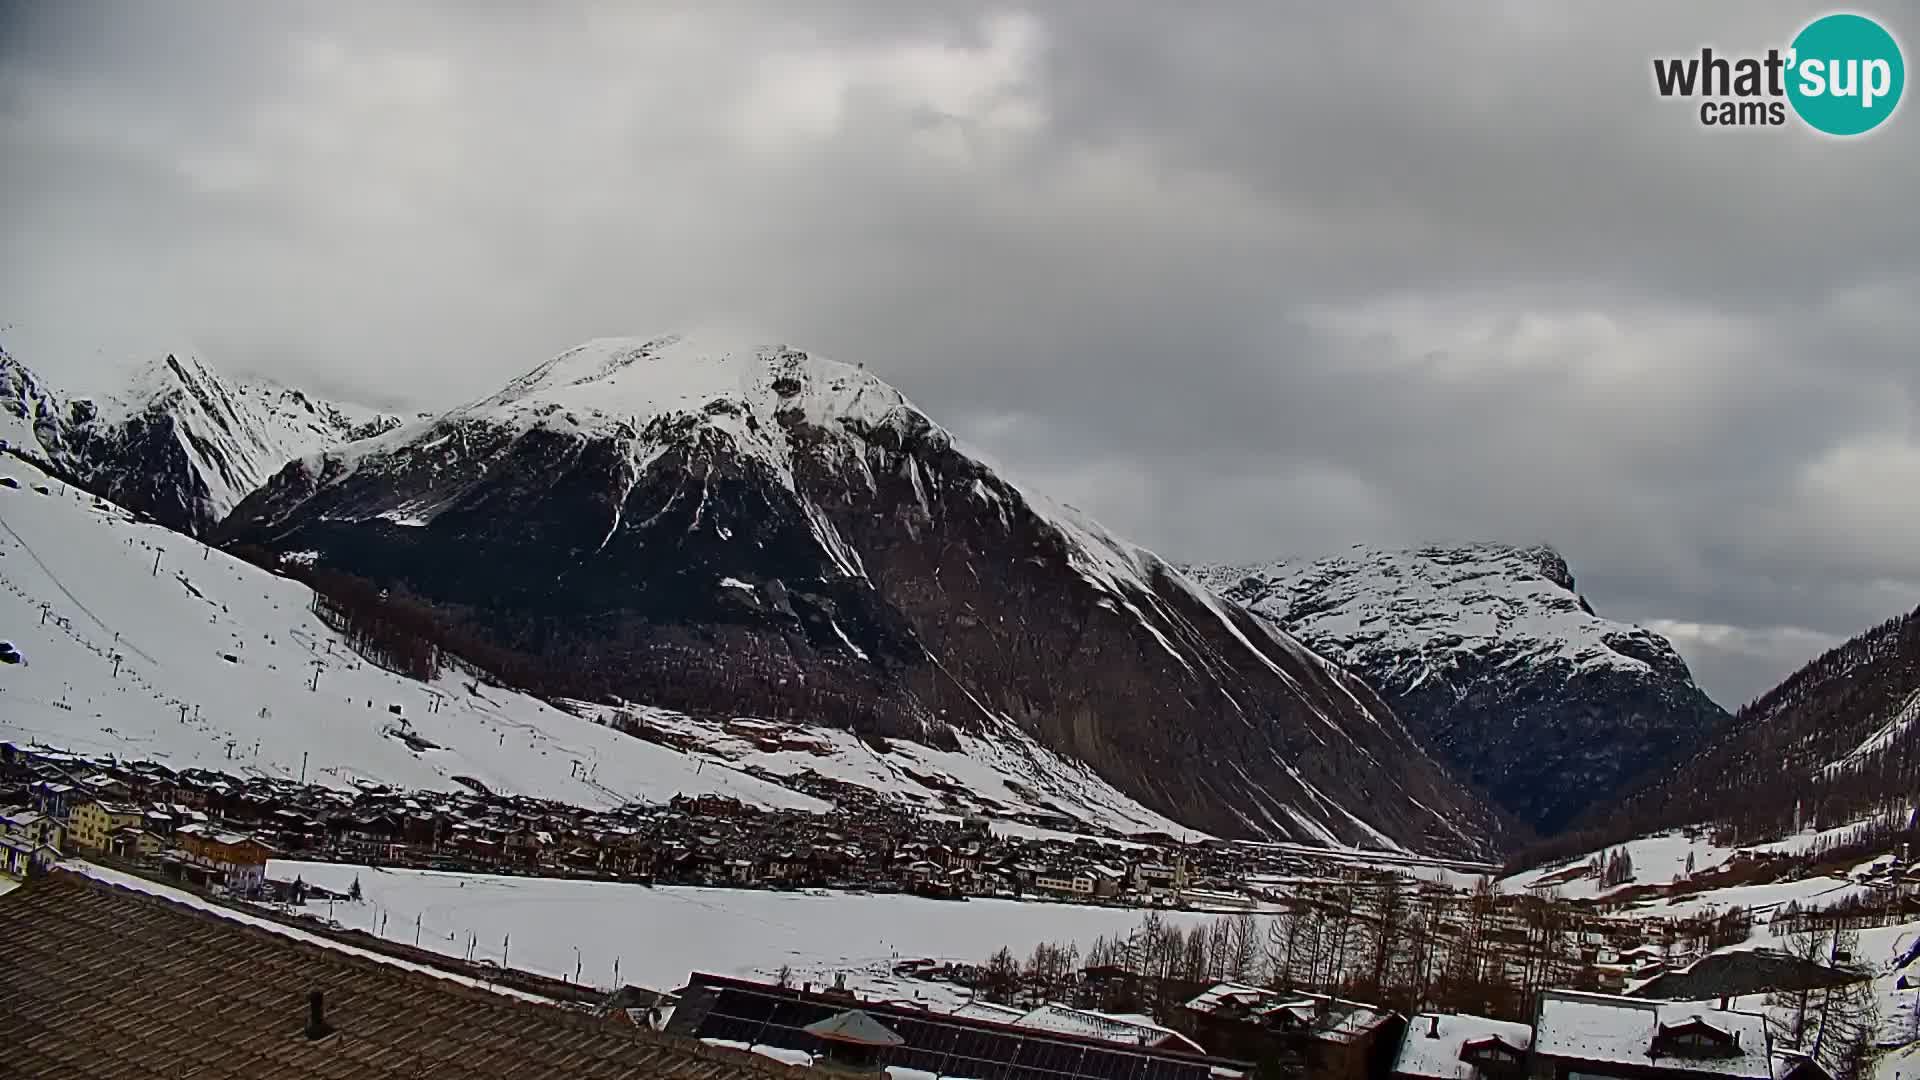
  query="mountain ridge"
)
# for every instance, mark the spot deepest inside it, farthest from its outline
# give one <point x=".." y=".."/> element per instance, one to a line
<point x="764" y="526"/>
<point x="178" y="441"/>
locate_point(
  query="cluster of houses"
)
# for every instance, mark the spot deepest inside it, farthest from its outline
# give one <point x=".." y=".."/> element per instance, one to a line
<point x="218" y="830"/>
<point x="137" y="813"/>
<point x="1232" y="1030"/>
<point x="1571" y="1034"/>
<point x="215" y="828"/>
<point x="1893" y="873"/>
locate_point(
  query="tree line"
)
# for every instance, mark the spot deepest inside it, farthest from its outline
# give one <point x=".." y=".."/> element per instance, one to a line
<point x="1380" y="941"/>
<point x="719" y="670"/>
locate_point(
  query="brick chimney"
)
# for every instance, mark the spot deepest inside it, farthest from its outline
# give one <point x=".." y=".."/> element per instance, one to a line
<point x="317" y="1027"/>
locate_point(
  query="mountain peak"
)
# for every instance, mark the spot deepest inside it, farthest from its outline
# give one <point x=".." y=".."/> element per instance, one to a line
<point x="636" y="379"/>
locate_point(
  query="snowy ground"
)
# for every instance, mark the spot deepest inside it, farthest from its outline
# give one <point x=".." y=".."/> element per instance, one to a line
<point x="659" y="935"/>
<point x="1661" y="859"/>
<point x="217" y="665"/>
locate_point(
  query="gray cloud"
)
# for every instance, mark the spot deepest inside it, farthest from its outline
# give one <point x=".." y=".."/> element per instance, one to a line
<point x="1252" y="280"/>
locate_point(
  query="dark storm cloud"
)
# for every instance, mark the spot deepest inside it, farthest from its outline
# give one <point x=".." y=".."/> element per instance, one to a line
<point x="1242" y="280"/>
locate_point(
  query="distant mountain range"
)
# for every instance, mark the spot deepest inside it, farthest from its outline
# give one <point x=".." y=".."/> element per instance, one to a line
<point x="733" y="528"/>
<point x="179" y="442"/>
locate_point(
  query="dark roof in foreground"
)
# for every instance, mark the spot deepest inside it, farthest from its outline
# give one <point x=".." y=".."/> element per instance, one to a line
<point x="102" y="982"/>
<point x="854" y="1026"/>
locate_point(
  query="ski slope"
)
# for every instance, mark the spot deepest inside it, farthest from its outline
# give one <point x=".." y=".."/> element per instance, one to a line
<point x="218" y="662"/>
<point x="217" y="669"/>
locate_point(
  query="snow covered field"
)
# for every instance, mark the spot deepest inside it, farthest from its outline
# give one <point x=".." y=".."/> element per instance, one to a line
<point x="661" y="934"/>
<point x="218" y="662"/>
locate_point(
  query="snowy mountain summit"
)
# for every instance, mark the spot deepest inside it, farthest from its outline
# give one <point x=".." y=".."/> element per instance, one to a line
<point x="725" y="527"/>
<point x="1495" y="663"/>
<point x="178" y="442"/>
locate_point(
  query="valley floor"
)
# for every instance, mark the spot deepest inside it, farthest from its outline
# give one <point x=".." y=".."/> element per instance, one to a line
<point x="661" y="934"/>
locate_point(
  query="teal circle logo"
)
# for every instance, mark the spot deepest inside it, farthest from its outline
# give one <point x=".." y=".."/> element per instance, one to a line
<point x="1846" y="74"/>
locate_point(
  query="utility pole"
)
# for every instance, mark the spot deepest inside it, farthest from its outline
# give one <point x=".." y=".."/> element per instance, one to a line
<point x="116" y="665"/>
<point x="156" y="564"/>
<point x="303" y="779"/>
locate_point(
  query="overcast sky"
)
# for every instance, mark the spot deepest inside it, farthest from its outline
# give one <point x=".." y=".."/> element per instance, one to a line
<point x="1241" y="280"/>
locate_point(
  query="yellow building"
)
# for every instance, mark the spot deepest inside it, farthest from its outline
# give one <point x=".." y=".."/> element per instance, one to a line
<point x="92" y="823"/>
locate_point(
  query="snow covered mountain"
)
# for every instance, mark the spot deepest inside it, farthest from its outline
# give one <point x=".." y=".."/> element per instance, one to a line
<point x="1836" y="740"/>
<point x="722" y="527"/>
<point x="223" y="665"/>
<point x="179" y="442"/>
<point x="1496" y="664"/>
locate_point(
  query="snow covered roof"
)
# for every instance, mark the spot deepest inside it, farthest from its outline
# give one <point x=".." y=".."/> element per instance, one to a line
<point x="1604" y="1028"/>
<point x="1130" y="1030"/>
<point x="1434" y="1042"/>
<point x="1225" y="993"/>
<point x="987" y="1010"/>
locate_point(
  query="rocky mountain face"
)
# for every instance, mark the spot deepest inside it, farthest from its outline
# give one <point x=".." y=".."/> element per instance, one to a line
<point x="179" y="443"/>
<point x="1496" y="665"/>
<point x="767" y="532"/>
